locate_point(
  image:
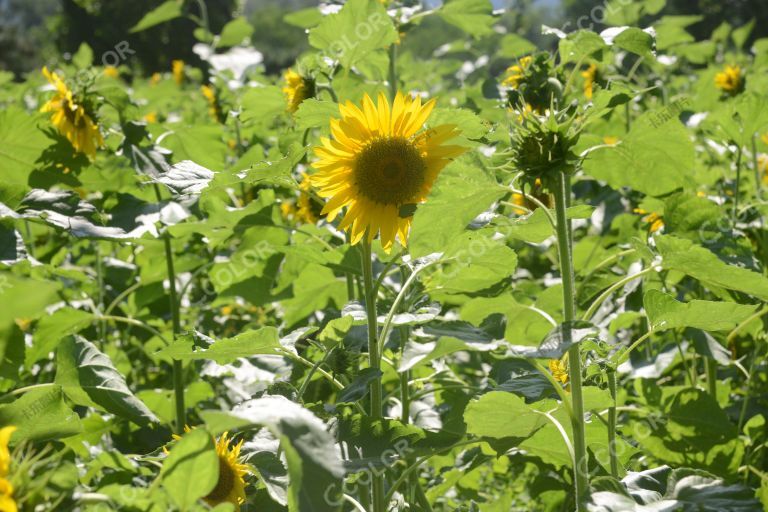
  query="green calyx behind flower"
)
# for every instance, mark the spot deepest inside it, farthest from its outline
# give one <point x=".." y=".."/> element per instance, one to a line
<point x="542" y="145"/>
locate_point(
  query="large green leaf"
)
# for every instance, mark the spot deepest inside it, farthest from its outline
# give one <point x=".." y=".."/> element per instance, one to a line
<point x="89" y="378"/>
<point x="249" y="343"/>
<point x="21" y="145"/>
<point x="664" y="312"/>
<point x="350" y="35"/>
<point x="689" y="258"/>
<point x="314" y="465"/>
<point x="694" y="432"/>
<point x="41" y="414"/>
<point x="471" y="16"/>
<point x="462" y="191"/>
<point x="52" y="328"/>
<point x="191" y="469"/>
<point x="500" y="415"/>
<point x="164" y="12"/>
<point x="653" y="158"/>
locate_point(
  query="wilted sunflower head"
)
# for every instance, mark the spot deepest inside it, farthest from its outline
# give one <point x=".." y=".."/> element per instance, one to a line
<point x="542" y="146"/>
<point x="730" y="80"/>
<point x="297" y="88"/>
<point x="380" y="164"/>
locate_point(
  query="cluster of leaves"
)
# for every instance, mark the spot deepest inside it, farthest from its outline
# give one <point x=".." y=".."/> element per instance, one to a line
<point x="183" y="210"/>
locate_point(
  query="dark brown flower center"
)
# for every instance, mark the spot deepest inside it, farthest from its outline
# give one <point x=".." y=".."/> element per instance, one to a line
<point x="390" y="170"/>
<point x="225" y="484"/>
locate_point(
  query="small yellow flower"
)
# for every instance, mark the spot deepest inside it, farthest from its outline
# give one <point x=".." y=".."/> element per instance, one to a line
<point x="380" y="163"/>
<point x="111" y="72"/>
<point x="150" y="117"/>
<point x="590" y="77"/>
<point x="729" y="79"/>
<point x="610" y="140"/>
<point x="559" y="370"/>
<point x="516" y="73"/>
<point x="762" y="167"/>
<point x="655" y="220"/>
<point x="71" y="119"/>
<point x="155" y="79"/>
<point x="296" y="89"/>
<point x="177" y="68"/>
<point x="764" y="138"/>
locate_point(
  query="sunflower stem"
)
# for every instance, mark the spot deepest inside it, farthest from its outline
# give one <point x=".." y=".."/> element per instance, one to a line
<point x="611" y="374"/>
<point x="178" y="378"/>
<point x="581" y="477"/>
<point x="392" y="78"/>
<point x="374" y="361"/>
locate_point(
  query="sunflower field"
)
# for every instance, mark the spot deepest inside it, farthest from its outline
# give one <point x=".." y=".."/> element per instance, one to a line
<point x="494" y="275"/>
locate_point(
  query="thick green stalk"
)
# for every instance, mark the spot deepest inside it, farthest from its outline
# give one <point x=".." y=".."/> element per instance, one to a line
<point x="178" y="377"/>
<point x="611" y="373"/>
<point x="711" y="368"/>
<point x="581" y="476"/>
<point x="374" y="361"/>
<point x="392" y="79"/>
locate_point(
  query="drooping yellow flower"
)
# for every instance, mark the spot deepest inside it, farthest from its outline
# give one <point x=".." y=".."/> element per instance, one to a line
<point x="111" y="72"/>
<point x="559" y="370"/>
<point x="516" y="73"/>
<point x="155" y="79"/>
<point x="214" y="110"/>
<point x="296" y="89"/>
<point x="177" y="68"/>
<point x="654" y="220"/>
<point x="590" y="77"/>
<point x="305" y="209"/>
<point x="729" y="79"/>
<point x="380" y="164"/>
<point x="71" y="119"/>
<point x="230" y="487"/>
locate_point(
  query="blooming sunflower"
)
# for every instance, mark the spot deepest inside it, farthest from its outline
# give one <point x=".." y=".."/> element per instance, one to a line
<point x="296" y="89"/>
<point x="590" y="77"/>
<point x="177" y="69"/>
<point x="71" y="118"/>
<point x="230" y="487"/>
<point x="379" y="164"/>
<point x="516" y="73"/>
<point x="729" y="79"/>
